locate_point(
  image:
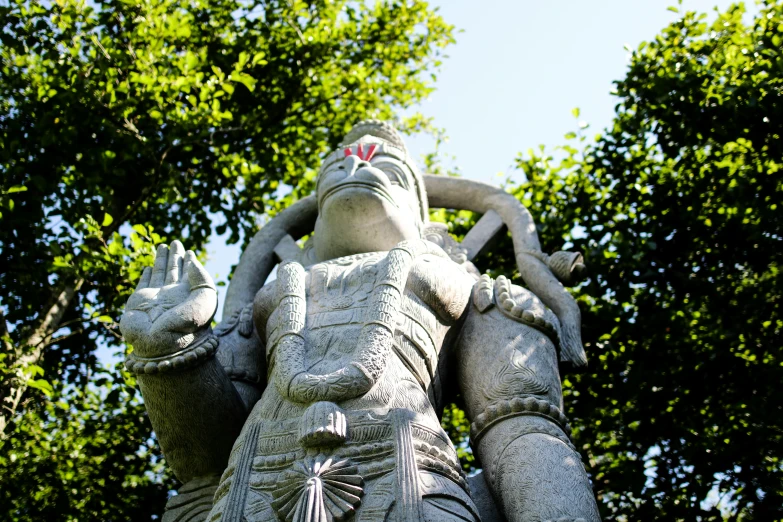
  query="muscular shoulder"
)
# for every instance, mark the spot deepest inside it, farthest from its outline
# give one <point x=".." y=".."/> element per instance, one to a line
<point x="443" y="284"/>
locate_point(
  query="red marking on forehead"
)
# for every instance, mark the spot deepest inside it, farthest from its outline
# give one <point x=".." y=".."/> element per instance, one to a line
<point x="361" y="153"/>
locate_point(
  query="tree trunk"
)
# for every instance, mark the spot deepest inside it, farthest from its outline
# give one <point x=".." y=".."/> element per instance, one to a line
<point x="30" y="351"/>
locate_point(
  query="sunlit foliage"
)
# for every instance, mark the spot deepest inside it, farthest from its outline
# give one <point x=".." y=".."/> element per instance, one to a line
<point x="676" y="207"/>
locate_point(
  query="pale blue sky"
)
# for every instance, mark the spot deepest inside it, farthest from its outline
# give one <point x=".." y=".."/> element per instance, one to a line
<point x="515" y="73"/>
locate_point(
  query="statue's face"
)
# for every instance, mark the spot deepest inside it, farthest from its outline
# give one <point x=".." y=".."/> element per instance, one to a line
<point x="367" y="202"/>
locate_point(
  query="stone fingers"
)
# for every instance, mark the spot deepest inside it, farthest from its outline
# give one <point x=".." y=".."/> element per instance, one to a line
<point x="169" y="266"/>
<point x="159" y="268"/>
<point x="144" y="280"/>
<point x="187" y="263"/>
<point x="174" y="262"/>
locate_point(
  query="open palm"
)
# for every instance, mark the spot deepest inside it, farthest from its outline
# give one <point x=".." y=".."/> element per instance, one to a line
<point x="172" y="304"/>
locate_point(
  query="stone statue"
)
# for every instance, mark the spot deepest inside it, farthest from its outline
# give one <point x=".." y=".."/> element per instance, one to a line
<point x="318" y="397"/>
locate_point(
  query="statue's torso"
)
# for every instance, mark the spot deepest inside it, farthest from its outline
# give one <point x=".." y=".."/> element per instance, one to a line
<point x="392" y="435"/>
<point x="338" y="295"/>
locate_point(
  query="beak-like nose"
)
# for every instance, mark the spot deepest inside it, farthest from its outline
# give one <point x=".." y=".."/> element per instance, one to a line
<point x="353" y="163"/>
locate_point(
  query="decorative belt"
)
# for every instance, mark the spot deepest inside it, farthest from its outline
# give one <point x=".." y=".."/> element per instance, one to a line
<point x="361" y="435"/>
<point x="329" y="453"/>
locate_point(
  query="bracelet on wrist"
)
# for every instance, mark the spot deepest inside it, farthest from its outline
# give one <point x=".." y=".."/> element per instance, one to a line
<point x="193" y="355"/>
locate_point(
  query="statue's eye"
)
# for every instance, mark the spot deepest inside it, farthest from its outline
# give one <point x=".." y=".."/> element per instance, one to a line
<point x="395" y="173"/>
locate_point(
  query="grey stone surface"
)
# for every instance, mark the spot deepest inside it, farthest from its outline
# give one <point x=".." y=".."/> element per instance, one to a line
<point x="481" y="235"/>
<point x="482" y="496"/>
<point x="317" y="397"/>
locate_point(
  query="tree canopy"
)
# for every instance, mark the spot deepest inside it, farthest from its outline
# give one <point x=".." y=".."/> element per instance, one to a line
<point x="126" y="123"/>
<point x="676" y="208"/>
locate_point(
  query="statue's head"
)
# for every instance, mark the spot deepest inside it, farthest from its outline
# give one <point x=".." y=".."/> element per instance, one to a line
<point x="370" y="194"/>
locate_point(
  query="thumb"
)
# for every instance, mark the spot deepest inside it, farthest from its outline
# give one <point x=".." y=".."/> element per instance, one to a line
<point x="198" y="277"/>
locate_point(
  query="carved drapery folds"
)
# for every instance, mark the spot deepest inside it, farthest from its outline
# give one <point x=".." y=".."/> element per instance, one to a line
<point x="193" y="500"/>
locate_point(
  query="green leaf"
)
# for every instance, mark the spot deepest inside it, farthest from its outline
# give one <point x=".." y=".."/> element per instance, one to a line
<point x="41" y="384"/>
<point x="245" y="79"/>
<point x="141" y="230"/>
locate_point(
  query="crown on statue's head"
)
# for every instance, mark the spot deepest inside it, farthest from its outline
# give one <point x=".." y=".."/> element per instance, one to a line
<point x="377" y="128"/>
<point x="370" y="138"/>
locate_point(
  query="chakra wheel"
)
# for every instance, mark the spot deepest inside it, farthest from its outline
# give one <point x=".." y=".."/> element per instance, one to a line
<point x="318" y="489"/>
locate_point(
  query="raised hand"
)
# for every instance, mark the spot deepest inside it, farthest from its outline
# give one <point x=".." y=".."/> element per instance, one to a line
<point x="172" y="305"/>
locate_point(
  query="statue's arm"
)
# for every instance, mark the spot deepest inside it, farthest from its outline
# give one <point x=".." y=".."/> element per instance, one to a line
<point x="197" y="414"/>
<point x="443" y="284"/>
<point x="198" y="385"/>
<point x="508" y="374"/>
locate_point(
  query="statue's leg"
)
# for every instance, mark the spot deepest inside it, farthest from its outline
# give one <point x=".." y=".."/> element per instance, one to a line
<point x="532" y="456"/>
<point x="509" y="378"/>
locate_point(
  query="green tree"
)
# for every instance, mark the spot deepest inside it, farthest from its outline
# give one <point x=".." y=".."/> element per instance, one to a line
<point x="121" y="120"/>
<point x="676" y="207"/>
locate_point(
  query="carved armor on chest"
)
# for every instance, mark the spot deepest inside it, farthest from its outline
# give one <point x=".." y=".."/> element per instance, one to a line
<point x="338" y="307"/>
